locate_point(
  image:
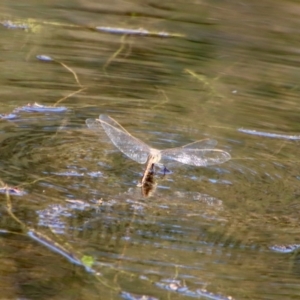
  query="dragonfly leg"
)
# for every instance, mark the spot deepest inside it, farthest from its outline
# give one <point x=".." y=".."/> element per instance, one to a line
<point x="166" y="171"/>
<point x="163" y="169"/>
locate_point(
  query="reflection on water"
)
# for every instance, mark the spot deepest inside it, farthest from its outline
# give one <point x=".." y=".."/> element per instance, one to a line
<point x="214" y="233"/>
<point x="270" y="134"/>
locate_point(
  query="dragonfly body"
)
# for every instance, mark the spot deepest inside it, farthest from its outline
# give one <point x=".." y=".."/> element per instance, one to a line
<point x="199" y="153"/>
<point x="153" y="158"/>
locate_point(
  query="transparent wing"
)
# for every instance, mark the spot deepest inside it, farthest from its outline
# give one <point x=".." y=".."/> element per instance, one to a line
<point x="112" y="122"/>
<point x="123" y="140"/>
<point x="202" y="144"/>
<point x="95" y="125"/>
<point x="196" y="157"/>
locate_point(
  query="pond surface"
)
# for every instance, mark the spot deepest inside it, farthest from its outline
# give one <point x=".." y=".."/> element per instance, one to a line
<point x="74" y="224"/>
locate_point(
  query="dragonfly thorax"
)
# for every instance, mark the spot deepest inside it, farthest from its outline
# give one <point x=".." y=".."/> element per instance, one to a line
<point x="154" y="156"/>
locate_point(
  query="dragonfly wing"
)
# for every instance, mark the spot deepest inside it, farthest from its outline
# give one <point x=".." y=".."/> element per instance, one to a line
<point x="196" y="157"/>
<point x="107" y="119"/>
<point x="96" y="126"/>
<point x="123" y="140"/>
<point x="202" y="144"/>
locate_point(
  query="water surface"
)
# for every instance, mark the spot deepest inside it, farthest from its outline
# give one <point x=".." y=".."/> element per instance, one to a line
<point x="81" y="228"/>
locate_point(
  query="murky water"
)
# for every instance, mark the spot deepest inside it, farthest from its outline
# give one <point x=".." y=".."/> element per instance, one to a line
<point x="77" y="227"/>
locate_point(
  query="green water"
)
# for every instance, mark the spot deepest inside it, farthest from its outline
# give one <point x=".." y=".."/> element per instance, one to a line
<point x="204" y="232"/>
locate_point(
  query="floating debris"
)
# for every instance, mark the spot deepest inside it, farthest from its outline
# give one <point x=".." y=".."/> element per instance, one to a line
<point x="12" y="191"/>
<point x="78" y="204"/>
<point x="140" y="31"/>
<point x="95" y="174"/>
<point x="55" y="247"/>
<point x="44" y="57"/>
<point x="285" y="248"/>
<point x="40" y="108"/>
<point x="7" y="116"/>
<point x="69" y="173"/>
<point x="208" y="295"/>
<point x="173" y="285"/>
<point x="176" y="286"/>
<point x="11" y="25"/>
<point x="270" y="134"/>
<point x="130" y="296"/>
<point x="219" y="181"/>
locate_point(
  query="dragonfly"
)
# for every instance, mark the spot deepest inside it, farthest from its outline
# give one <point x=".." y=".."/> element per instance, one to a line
<point x="200" y="153"/>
